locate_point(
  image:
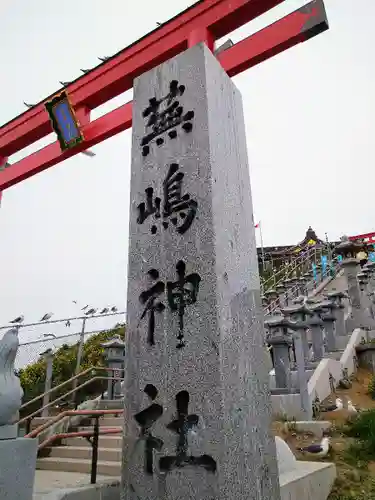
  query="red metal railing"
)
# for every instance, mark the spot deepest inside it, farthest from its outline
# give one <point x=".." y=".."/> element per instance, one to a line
<point x="95" y="433"/>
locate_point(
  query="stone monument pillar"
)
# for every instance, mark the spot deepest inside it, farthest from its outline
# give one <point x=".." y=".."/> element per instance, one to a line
<point x="299" y="313"/>
<point x="280" y="289"/>
<point x="114" y="351"/>
<point x="197" y="402"/>
<point x="281" y="341"/>
<point x="288" y="284"/>
<point x="329" y="320"/>
<point x="338" y="312"/>
<point x="370" y="266"/>
<point x="316" y="327"/>
<point x="348" y="250"/>
<point x="17" y="455"/>
<point x="365" y="298"/>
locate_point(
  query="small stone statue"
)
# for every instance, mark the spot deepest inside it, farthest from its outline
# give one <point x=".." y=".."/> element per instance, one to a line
<point x="11" y="392"/>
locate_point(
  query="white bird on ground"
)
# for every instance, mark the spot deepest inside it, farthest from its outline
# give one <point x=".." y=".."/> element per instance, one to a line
<point x="351" y="407"/>
<point x="335" y="407"/>
<point x="19" y="319"/>
<point x="317" y="450"/>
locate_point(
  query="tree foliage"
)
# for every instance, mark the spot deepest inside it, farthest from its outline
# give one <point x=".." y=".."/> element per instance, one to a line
<point x="32" y="377"/>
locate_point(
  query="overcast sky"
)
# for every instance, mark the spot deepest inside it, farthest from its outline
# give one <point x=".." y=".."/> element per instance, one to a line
<point x="310" y="129"/>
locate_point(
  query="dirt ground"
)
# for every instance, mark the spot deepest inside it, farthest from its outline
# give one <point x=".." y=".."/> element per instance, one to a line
<point x="353" y="482"/>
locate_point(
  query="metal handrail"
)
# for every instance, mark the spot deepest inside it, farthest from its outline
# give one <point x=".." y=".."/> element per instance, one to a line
<point x="85" y="372"/>
<point x="289" y="268"/>
<point x="70" y="413"/>
<point x="274" y="305"/>
<point x="28" y="418"/>
<point x="96" y="414"/>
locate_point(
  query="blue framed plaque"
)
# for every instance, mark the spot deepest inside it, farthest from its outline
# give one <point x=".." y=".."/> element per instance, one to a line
<point x="64" y="121"/>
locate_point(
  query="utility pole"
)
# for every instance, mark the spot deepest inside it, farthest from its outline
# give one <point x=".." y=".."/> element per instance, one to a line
<point x="80" y="345"/>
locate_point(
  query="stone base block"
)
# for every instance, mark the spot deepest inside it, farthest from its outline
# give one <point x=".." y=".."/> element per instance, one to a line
<point x="8" y="431"/>
<point x="17" y="468"/>
<point x="110" y="404"/>
<point x="287" y="406"/>
<point x="305" y="481"/>
<point x="308" y="481"/>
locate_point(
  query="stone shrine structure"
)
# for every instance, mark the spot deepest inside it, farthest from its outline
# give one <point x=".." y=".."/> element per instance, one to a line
<point x="17" y="455"/>
<point x="196" y="383"/>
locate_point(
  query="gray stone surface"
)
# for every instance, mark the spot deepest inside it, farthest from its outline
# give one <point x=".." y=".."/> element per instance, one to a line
<point x="17" y="468"/>
<point x="357" y="320"/>
<point x="222" y="364"/>
<point x="366" y="356"/>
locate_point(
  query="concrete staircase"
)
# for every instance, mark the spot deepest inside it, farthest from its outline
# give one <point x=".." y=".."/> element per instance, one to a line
<point x="74" y="454"/>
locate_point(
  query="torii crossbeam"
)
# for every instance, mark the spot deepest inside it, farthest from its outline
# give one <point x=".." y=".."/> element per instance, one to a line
<point x="205" y="21"/>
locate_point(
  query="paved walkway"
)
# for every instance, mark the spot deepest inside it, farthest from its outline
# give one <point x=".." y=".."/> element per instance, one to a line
<point x="47" y="481"/>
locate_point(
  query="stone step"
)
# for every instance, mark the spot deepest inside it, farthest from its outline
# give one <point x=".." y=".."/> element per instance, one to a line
<point x="114" y="441"/>
<point x="112" y="421"/>
<point x="85" y="452"/>
<point x="78" y="465"/>
<point x="102" y="427"/>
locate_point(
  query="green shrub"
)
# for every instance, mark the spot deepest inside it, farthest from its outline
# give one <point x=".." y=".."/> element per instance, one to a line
<point x="362" y="429"/>
<point x="371" y="387"/>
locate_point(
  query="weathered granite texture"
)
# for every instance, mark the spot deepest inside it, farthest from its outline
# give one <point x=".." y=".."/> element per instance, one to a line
<point x="17" y="468"/>
<point x="214" y="367"/>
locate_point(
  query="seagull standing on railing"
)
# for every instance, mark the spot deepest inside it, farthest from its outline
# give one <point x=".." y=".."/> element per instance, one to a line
<point x="18" y="320"/>
<point x="90" y="311"/>
<point x="46" y="317"/>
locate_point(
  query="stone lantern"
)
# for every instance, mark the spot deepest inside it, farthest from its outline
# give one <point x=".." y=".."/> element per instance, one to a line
<point x="348" y="250"/>
<point x="114" y="351"/>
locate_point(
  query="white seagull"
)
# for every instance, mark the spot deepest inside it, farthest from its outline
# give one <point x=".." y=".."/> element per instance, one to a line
<point x="335" y="407"/>
<point x="90" y="311"/>
<point x="351" y="407"/>
<point x="19" y="319"/>
<point x="47" y="316"/>
<point x="317" y="450"/>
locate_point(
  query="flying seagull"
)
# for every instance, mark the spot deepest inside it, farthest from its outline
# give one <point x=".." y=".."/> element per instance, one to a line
<point x="19" y="319"/>
<point x="74" y="301"/>
<point x="90" y="311"/>
<point x="83" y="308"/>
<point x="335" y="407"/>
<point x="317" y="450"/>
<point x="47" y="317"/>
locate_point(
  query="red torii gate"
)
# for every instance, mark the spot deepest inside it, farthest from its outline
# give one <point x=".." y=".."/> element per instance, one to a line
<point x="205" y="21"/>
